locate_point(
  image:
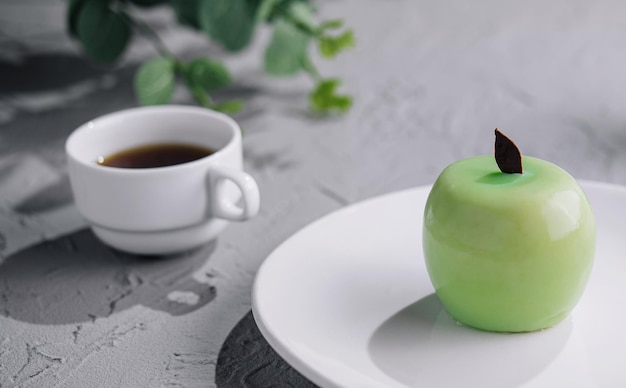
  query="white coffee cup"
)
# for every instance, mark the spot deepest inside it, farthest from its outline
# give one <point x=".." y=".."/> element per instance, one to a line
<point x="162" y="209"/>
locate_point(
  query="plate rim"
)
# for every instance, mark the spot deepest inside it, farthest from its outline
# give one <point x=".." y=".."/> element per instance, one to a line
<point x="268" y="334"/>
<point x="289" y="356"/>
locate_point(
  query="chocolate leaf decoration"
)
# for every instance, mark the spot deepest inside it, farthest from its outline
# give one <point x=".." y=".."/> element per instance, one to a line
<point x="508" y="156"/>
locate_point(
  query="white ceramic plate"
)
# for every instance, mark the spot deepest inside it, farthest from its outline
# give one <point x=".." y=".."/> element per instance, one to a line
<point x="348" y="303"/>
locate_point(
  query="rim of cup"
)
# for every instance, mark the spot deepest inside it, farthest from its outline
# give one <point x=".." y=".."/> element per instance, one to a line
<point x="82" y="130"/>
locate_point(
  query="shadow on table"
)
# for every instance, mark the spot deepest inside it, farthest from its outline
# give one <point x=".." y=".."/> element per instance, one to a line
<point x="76" y="278"/>
<point x="422" y="345"/>
<point x="247" y="360"/>
<point x="38" y="72"/>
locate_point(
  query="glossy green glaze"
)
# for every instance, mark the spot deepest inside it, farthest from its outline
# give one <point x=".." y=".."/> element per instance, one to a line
<point x="508" y="252"/>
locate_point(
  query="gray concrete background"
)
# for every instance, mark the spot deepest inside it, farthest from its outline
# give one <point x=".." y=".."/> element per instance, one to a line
<point x="431" y="81"/>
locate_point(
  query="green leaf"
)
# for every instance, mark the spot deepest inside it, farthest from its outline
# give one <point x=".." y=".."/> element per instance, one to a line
<point x="324" y="98"/>
<point x="73" y="10"/>
<point x="187" y="12"/>
<point x="286" y="50"/>
<point x="268" y="9"/>
<point x="229" y="107"/>
<point x="331" y="24"/>
<point x="103" y="32"/>
<point x="303" y="16"/>
<point x="210" y="75"/>
<point x="330" y="46"/>
<point x="229" y="22"/>
<point x="154" y="81"/>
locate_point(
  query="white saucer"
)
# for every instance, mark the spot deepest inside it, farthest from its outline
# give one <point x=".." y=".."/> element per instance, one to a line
<point x="161" y="242"/>
<point x="348" y="303"/>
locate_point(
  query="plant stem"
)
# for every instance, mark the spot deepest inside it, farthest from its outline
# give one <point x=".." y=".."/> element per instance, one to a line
<point x="300" y="24"/>
<point x="202" y="96"/>
<point x="308" y="66"/>
<point x="152" y="36"/>
<point x="198" y="92"/>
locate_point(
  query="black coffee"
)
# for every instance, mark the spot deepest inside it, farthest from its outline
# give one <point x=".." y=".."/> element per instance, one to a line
<point x="155" y="155"/>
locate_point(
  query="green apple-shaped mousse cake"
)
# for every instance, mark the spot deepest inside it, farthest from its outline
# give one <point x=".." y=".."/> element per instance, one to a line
<point x="508" y="249"/>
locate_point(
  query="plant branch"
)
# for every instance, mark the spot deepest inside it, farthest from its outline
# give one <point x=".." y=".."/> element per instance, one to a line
<point x="152" y="36"/>
<point x="202" y="96"/>
<point x="310" y="68"/>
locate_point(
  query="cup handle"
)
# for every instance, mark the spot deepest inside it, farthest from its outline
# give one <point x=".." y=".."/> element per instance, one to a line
<point x="226" y="209"/>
